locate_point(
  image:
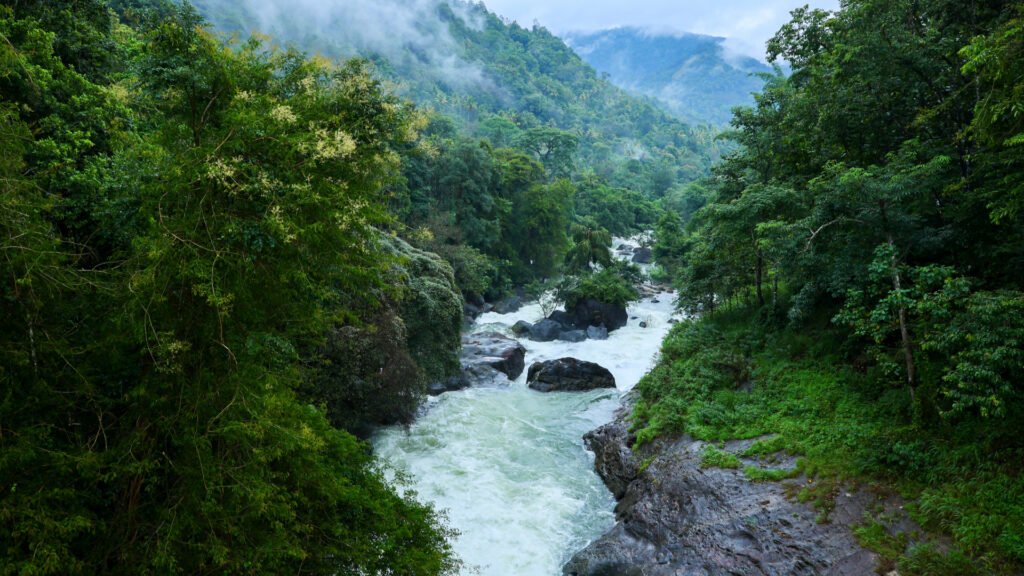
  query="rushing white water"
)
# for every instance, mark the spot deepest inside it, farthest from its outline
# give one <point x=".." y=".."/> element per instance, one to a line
<point x="508" y="465"/>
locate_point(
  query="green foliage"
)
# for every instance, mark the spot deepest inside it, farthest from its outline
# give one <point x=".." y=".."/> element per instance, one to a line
<point x="150" y="421"/>
<point x="713" y="457"/>
<point x="431" y="307"/>
<point x="606" y="285"/>
<point x="540" y="224"/>
<point x="591" y="246"/>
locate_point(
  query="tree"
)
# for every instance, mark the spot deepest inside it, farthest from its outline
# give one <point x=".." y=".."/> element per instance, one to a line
<point x="591" y="246"/>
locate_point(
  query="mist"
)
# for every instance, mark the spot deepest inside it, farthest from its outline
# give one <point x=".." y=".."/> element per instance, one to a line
<point x="406" y="33"/>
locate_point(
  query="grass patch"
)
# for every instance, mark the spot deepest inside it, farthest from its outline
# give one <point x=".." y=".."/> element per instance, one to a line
<point x="873" y="536"/>
<point x="767" y="446"/>
<point x="755" y="474"/>
<point x="713" y="457"/>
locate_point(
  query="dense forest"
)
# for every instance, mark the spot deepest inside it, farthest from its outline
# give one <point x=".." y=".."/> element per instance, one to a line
<point x="860" y="261"/>
<point x="225" y="261"/>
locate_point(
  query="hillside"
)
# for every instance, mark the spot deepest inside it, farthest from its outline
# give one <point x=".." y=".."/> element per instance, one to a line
<point x="496" y="77"/>
<point x="693" y="75"/>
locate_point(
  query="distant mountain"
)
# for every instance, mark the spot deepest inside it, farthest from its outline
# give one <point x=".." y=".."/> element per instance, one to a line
<point x="694" y="75"/>
<point x="486" y="71"/>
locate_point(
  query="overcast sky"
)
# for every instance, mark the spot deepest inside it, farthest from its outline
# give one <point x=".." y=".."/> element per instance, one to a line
<point x="748" y="24"/>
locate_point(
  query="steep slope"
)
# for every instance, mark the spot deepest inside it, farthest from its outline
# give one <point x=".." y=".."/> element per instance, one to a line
<point x="692" y="74"/>
<point x="496" y="77"/>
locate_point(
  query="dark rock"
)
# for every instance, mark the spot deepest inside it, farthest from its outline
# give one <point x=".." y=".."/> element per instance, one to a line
<point x="655" y="301"/>
<point x="508" y="305"/>
<point x="591" y="312"/>
<point x="476" y="300"/>
<point x="521" y="327"/>
<point x="545" y="331"/>
<point x="486" y="308"/>
<point x="493" y="350"/>
<point x="573" y="336"/>
<point x="471" y="311"/>
<point x="451" y="384"/>
<point x="597" y="332"/>
<point x="568" y="375"/>
<point x="673" y="321"/>
<point x="567" y="320"/>
<point x="643" y="324"/>
<point x="674" y="518"/>
<point x="642" y="255"/>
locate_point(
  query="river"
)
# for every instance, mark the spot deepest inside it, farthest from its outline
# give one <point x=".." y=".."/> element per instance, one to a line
<point x="508" y="465"/>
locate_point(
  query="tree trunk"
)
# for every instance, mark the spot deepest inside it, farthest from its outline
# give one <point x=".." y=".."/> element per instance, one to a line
<point x="905" y="338"/>
<point x="758" y="279"/>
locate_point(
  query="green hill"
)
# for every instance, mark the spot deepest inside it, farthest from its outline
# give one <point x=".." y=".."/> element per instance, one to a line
<point x="496" y="77"/>
<point x="694" y="75"/>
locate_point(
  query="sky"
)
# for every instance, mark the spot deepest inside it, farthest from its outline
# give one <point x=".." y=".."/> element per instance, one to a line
<point x="747" y="24"/>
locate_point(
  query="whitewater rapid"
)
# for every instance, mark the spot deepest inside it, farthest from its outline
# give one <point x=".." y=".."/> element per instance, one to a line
<point x="508" y="465"/>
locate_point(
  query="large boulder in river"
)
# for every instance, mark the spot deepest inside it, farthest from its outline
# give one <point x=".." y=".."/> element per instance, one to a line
<point x="567" y="320"/>
<point x="591" y="312"/>
<point x="521" y="328"/>
<point x="545" y="331"/>
<point x="508" y="305"/>
<point x="642" y="255"/>
<point x="568" y="375"/>
<point x="495" y="350"/>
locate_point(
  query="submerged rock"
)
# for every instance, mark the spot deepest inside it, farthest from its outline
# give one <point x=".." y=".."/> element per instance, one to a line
<point x="573" y="336"/>
<point x="597" y="332"/>
<point x="568" y="375"/>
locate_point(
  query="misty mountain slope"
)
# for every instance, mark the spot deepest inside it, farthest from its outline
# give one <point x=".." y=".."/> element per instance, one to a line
<point x="692" y="74"/>
<point x="462" y="60"/>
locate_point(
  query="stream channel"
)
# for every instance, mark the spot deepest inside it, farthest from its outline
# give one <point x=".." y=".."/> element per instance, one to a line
<point x="507" y="465"/>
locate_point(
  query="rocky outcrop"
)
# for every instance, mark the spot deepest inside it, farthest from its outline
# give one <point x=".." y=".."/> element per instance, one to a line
<point x="485" y="356"/>
<point x="568" y="375"/>
<point x="592" y="312"/>
<point x="498" y="351"/>
<point x="675" y="517"/>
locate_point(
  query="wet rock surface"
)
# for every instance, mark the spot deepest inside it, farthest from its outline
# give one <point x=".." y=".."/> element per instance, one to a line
<point x="642" y="255"/>
<point x="676" y="518"/>
<point x="568" y="375"/>
<point x="545" y="331"/>
<point x="484" y="357"/>
<point x="592" y="312"/>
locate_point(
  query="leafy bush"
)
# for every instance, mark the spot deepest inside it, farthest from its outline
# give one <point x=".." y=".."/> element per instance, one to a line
<point x="607" y="286"/>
